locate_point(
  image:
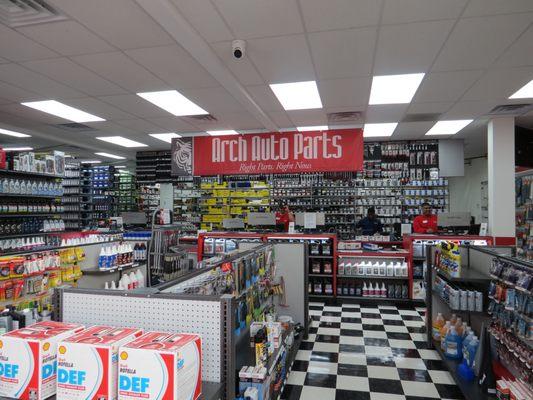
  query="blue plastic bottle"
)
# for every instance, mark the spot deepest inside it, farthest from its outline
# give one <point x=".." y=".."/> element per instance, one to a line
<point x="453" y="345"/>
<point x="471" y="351"/>
<point x="466" y="341"/>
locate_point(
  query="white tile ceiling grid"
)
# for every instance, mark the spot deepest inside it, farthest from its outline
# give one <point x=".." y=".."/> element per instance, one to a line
<point x="475" y="53"/>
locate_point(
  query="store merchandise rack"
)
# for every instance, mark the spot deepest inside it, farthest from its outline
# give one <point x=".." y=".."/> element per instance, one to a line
<point x="73" y="200"/>
<point x="524" y="214"/>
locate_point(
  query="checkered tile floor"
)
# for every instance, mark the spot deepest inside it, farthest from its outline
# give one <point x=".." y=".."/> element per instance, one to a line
<point x="357" y="352"/>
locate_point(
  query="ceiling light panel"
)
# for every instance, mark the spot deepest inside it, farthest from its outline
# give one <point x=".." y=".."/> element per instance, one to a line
<point x="312" y="128"/>
<point x="173" y="102"/>
<point x="121" y="141"/>
<point x="379" y="130"/>
<point x="450" y="127"/>
<point x="90" y="161"/>
<point x="17" y="148"/>
<point x="297" y="95"/>
<point x="222" y="133"/>
<point x="526" y="92"/>
<point x="394" y="89"/>
<point x="13" y="133"/>
<point x="62" y="110"/>
<point x="165" y="137"/>
<point x="109" y="155"/>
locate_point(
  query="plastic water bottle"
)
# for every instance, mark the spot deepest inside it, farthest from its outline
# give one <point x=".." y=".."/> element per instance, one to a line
<point x="471" y="351"/>
<point x="453" y="344"/>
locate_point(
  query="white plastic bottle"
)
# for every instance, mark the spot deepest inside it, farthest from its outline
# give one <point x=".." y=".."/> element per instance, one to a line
<point x="383" y="290"/>
<point x="365" y="290"/>
<point x="133" y="280"/>
<point x="140" y="278"/>
<point x="404" y="269"/>
<point x="126" y="283"/>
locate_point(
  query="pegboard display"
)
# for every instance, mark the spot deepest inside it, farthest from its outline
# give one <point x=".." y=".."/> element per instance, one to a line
<point x="202" y="317"/>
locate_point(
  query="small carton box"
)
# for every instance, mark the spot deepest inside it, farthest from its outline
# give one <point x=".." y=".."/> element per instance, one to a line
<point x="87" y="363"/>
<point x="28" y="359"/>
<point x="161" y="365"/>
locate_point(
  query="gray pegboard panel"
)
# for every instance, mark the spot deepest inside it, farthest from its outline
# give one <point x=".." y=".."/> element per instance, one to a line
<point x="168" y="315"/>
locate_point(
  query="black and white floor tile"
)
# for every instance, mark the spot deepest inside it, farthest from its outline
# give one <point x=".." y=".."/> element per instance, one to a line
<point x="359" y="352"/>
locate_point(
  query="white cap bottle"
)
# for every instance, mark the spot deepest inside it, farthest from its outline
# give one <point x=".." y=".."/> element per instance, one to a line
<point x="133" y="279"/>
<point x="126" y="282"/>
<point x="140" y="278"/>
<point x="113" y="285"/>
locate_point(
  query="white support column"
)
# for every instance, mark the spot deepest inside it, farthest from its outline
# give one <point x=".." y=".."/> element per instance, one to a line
<point x="501" y="179"/>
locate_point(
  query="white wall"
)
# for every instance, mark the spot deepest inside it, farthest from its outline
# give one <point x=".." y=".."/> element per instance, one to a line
<point x="465" y="191"/>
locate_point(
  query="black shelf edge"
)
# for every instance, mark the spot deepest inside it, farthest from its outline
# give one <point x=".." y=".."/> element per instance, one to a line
<point x="320" y="275"/>
<point x="318" y="256"/>
<point x="373" y="277"/>
<point x="32" y="174"/>
<point x="377" y="298"/>
<point x="23" y="235"/>
<point x="30" y="215"/>
<point x="470" y="390"/>
<point x="321" y="296"/>
<point x="33" y="196"/>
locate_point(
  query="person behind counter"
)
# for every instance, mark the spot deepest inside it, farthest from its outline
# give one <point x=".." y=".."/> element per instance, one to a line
<point x="370" y="225"/>
<point x="427" y="222"/>
<point x="284" y="216"/>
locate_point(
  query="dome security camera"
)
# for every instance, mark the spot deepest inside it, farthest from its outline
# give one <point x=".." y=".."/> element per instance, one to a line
<point x="238" y="48"/>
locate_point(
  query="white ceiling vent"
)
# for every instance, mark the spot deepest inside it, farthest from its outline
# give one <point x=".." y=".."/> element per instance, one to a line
<point x="511" y="109"/>
<point x="75" y="127"/>
<point x="345" y="116"/>
<point x="203" y="117"/>
<point x="17" y="13"/>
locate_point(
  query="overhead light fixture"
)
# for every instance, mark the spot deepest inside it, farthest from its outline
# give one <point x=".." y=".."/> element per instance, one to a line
<point x="173" y="102"/>
<point x="17" y="148"/>
<point x="394" y="89"/>
<point x="525" y="92"/>
<point x="62" y="110"/>
<point x="297" y="95"/>
<point x="222" y="133"/>
<point x="121" y="141"/>
<point x="450" y="127"/>
<point x="109" y="155"/>
<point x="165" y="137"/>
<point x="312" y="128"/>
<point x="90" y="161"/>
<point x="379" y="130"/>
<point x="13" y="133"/>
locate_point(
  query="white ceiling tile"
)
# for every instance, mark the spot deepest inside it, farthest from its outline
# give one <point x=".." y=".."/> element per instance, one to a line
<point x="343" y="54"/>
<point x="282" y="59"/>
<point x="469" y="109"/>
<point x="17" y="47"/>
<point x="520" y="53"/>
<point x="239" y="121"/>
<point x="99" y="108"/>
<point x="203" y="16"/>
<point x="445" y="86"/>
<point x="429" y="108"/>
<point x="122" y="23"/>
<point x="476" y="42"/>
<point x="135" y="105"/>
<point x="385" y="113"/>
<point x="308" y="117"/>
<point x="67" y="38"/>
<point x="120" y="69"/>
<point x="493" y="7"/>
<point x="320" y="15"/>
<point x="411" y="130"/>
<point x="243" y="69"/>
<point x="68" y="72"/>
<point x="402" y="11"/>
<point x="265" y="98"/>
<point x="213" y="99"/>
<point x="260" y="18"/>
<point x="350" y="92"/>
<point x="34" y="82"/>
<point x="173" y="65"/>
<point x="409" y="48"/>
<point x="171" y="124"/>
<point x="140" y="125"/>
<point x="499" y="84"/>
<point x="31" y="115"/>
<point x="281" y="119"/>
<point x="16" y="95"/>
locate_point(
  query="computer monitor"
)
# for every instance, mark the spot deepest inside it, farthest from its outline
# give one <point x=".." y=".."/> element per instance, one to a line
<point x="453" y="219"/>
<point x="261" y="218"/>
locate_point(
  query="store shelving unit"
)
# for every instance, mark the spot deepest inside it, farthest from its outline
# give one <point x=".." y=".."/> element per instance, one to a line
<point x="126" y="192"/>
<point x="524" y="214"/>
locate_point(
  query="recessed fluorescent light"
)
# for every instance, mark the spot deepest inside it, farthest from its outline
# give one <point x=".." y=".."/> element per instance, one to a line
<point x="312" y="128"/>
<point x="17" y="148"/>
<point x="119" y="166"/>
<point x="122" y="141"/>
<point x="62" y="110"/>
<point x="297" y="95"/>
<point x="448" y="127"/>
<point x="222" y="133"/>
<point x="90" y="161"/>
<point x="394" y="89"/>
<point x="379" y="130"/>
<point x="173" y="102"/>
<point x="165" y="137"/>
<point x="113" y="156"/>
<point x="525" y="92"/>
<point x="13" y="133"/>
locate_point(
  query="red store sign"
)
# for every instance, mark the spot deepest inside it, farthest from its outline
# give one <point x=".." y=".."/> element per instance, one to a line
<point x="271" y="153"/>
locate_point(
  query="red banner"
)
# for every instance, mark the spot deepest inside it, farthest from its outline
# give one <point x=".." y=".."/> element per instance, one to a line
<point x="279" y="153"/>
